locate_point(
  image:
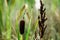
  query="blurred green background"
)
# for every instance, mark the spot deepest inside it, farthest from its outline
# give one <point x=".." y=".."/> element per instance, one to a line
<point x="12" y="11"/>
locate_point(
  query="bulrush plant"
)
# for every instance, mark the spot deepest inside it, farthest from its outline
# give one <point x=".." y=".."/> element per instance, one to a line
<point x="22" y="26"/>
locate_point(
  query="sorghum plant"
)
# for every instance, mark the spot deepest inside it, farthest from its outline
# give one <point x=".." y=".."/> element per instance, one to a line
<point x="41" y="20"/>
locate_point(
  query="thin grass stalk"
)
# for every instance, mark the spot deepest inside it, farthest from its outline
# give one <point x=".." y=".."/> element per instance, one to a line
<point x="20" y="14"/>
<point x="29" y="26"/>
<point x="28" y="30"/>
<point x="1" y="22"/>
<point x="8" y="24"/>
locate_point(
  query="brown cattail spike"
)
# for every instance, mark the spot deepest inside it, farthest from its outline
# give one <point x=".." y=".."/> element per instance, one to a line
<point x="22" y="26"/>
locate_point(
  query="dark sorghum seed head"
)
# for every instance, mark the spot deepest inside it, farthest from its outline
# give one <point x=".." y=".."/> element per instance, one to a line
<point x="42" y="33"/>
<point x="38" y="17"/>
<point x="22" y="26"/>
